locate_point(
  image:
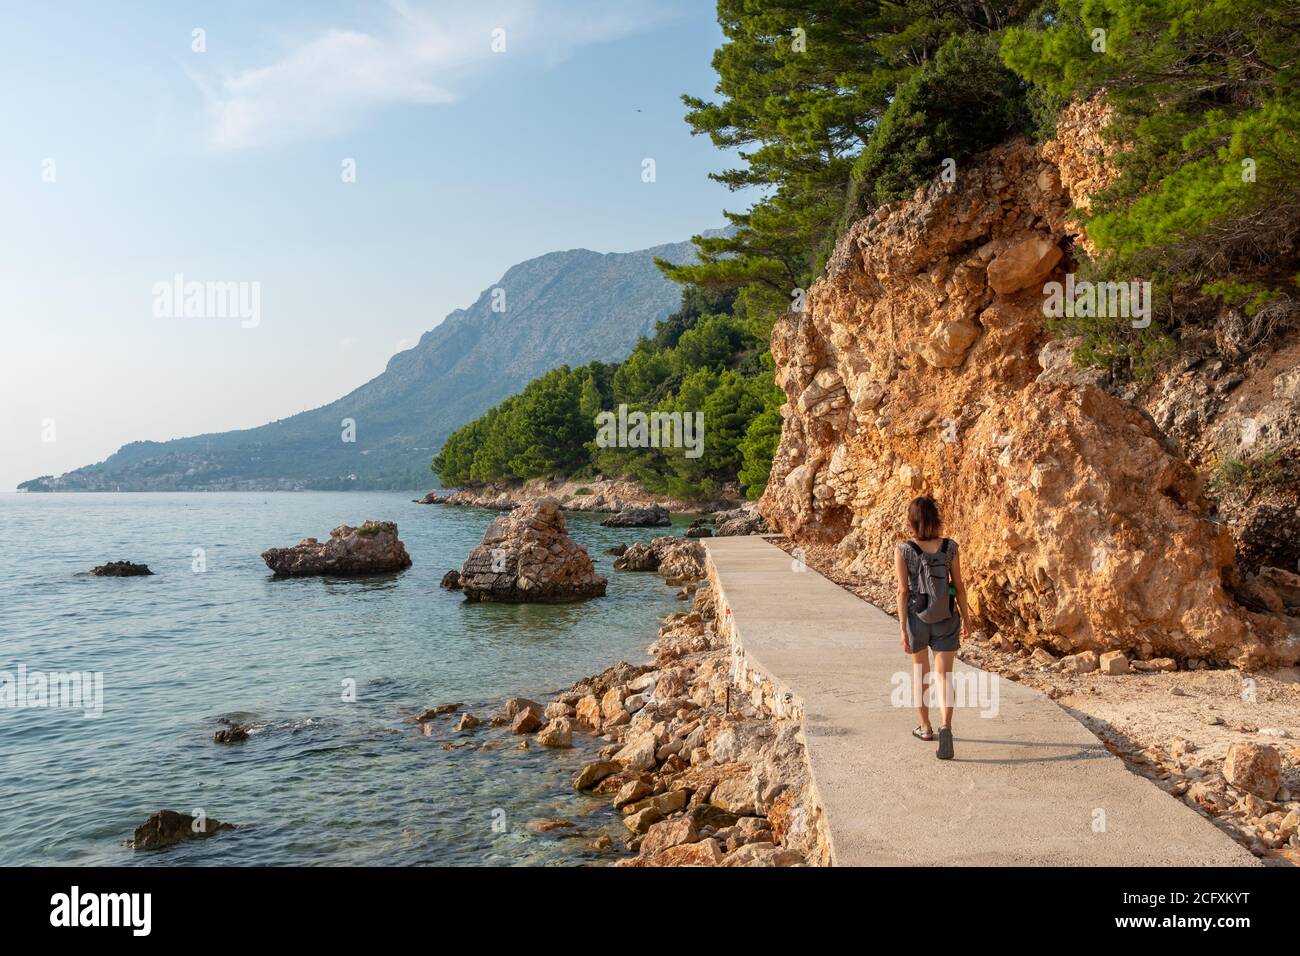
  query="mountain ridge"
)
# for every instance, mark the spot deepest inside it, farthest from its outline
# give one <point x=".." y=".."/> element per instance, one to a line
<point x="564" y="307"/>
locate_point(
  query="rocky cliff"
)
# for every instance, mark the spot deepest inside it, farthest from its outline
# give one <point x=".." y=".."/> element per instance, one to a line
<point x="923" y="364"/>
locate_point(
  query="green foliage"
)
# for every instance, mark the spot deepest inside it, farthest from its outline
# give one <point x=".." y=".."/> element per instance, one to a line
<point x="1206" y="95"/>
<point x="1111" y="342"/>
<point x="758" y="446"/>
<point x="540" y="431"/>
<point x="803" y="87"/>
<point x="1262" y="470"/>
<point x="711" y="368"/>
<point x="957" y="104"/>
<point x="1251" y="297"/>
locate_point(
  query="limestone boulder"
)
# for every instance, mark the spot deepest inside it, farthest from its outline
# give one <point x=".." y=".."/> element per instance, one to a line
<point x="1254" y="768"/>
<point x="528" y="556"/>
<point x="1025" y="264"/>
<point x="373" y="548"/>
<point x="649" y="516"/>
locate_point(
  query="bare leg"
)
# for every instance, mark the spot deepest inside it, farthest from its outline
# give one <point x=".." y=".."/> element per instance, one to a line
<point x="943" y="674"/>
<point x="920" y="668"/>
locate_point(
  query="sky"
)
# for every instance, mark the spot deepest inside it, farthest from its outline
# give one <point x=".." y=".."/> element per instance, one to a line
<point x="364" y="168"/>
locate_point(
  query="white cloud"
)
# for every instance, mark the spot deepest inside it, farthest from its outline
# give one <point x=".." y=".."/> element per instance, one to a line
<point x="422" y="53"/>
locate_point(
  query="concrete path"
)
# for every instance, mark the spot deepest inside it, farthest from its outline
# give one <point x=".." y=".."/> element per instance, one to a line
<point x="1030" y="784"/>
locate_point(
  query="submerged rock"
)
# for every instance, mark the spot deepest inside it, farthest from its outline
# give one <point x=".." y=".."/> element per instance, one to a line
<point x="232" y="733"/>
<point x="120" y="569"/>
<point x="547" y="824"/>
<point x="528" y="556"/>
<point x="430" y="713"/>
<point x="373" y="548"/>
<point x="167" y="827"/>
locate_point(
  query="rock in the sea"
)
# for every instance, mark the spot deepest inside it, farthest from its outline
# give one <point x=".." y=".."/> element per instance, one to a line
<point x="634" y="516"/>
<point x="450" y="580"/>
<point x="528" y="556"/>
<point x="514" y="705"/>
<point x="467" y="722"/>
<point x="593" y="773"/>
<point x="120" y="569"/>
<point x="557" y="708"/>
<point x="558" y="733"/>
<point x="373" y="548"/>
<point x="739" y="521"/>
<point x="525" y="722"/>
<point x="547" y="824"/>
<point x="436" y="711"/>
<point x="232" y="733"/>
<point x="637" y="557"/>
<point x="167" y="827"/>
<point x="678" y="560"/>
<point x="589" y="713"/>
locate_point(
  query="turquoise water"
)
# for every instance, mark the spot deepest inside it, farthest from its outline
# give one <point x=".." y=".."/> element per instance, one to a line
<point x="322" y="780"/>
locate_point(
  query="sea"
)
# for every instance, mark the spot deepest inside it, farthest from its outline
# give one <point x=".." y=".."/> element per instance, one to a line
<point x="323" y="670"/>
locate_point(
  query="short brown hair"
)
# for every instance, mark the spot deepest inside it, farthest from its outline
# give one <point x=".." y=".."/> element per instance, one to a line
<point x="923" y="518"/>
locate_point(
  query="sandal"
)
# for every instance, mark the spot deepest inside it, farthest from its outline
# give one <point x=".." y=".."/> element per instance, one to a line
<point x="945" y="744"/>
<point x="920" y="733"/>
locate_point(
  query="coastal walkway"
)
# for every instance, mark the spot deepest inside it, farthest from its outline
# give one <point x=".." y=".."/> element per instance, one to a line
<point x="1030" y="785"/>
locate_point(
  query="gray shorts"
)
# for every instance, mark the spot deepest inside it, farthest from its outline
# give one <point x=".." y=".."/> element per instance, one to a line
<point x="943" y="636"/>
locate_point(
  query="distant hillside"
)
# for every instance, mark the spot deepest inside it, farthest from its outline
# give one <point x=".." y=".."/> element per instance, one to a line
<point x="561" y="308"/>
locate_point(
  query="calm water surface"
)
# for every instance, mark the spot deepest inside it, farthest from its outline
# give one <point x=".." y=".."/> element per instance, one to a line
<point x="321" y="781"/>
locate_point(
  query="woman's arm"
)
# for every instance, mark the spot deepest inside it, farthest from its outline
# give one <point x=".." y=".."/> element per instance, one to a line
<point x="900" y="569"/>
<point x="959" y="585"/>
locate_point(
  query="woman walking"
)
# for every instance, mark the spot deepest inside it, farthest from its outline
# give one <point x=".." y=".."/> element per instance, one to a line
<point x="932" y="613"/>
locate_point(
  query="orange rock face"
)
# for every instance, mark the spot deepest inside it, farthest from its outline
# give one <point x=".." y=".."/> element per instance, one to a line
<point x="916" y="369"/>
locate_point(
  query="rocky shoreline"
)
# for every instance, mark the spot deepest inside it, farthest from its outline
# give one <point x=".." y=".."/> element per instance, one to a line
<point x="595" y="495"/>
<point x="705" y="767"/>
<point x="704" y="773"/>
